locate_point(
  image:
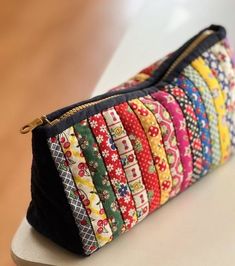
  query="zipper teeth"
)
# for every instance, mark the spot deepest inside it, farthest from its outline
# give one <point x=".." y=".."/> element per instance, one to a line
<point x="181" y="57"/>
<point x="187" y="50"/>
<point x="82" y="107"/>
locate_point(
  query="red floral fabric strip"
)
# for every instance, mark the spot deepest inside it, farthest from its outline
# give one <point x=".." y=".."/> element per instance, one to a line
<point x="142" y="150"/>
<point x="153" y="133"/>
<point x="129" y="162"/>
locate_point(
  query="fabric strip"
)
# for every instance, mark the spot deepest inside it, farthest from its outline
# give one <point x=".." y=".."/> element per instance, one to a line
<point x="115" y="170"/>
<point x="219" y="74"/>
<point x="169" y="141"/>
<point x="225" y="42"/>
<point x="178" y="120"/>
<point x="222" y="55"/>
<point x="86" y="189"/>
<point x="152" y="130"/>
<point x="215" y="66"/>
<point x="100" y="177"/>
<point x="203" y="124"/>
<point x="142" y="150"/>
<point x="231" y="54"/>
<point x="129" y="162"/>
<point x="200" y="65"/>
<point x="192" y="127"/>
<point x="79" y="213"/>
<point x="226" y="76"/>
<point x="208" y="101"/>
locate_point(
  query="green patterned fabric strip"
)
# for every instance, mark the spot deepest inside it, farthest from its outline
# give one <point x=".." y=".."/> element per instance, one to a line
<point x="195" y="77"/>
<point x="100" y="176"/>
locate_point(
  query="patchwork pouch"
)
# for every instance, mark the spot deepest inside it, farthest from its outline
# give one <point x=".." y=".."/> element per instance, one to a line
<point x="103" y="165"/>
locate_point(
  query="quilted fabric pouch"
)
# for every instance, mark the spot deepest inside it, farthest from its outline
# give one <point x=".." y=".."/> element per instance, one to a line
<point x="101" y="166"/>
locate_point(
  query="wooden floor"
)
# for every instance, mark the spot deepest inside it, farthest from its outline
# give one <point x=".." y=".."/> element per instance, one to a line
<point x="51" y="54"/>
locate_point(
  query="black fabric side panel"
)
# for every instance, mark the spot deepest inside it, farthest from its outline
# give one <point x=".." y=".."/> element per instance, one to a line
<point x="49" y="213"/>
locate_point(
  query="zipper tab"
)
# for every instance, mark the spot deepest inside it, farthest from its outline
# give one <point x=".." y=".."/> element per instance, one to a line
<point x="32" y="125"/>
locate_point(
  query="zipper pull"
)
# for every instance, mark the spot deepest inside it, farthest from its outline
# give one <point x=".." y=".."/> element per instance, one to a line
<point x="32" y="125"/>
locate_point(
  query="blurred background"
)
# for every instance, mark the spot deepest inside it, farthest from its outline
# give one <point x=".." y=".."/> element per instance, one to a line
<point x="54" y="53"/>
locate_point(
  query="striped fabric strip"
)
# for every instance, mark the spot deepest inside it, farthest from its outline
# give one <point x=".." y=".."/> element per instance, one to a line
<point x="82" y="221"/>
<point x="100" y="177"/>
<point x="208" y="101"/>
<point x="129" y="162"/>
<point x="142" y="150"/>
<point x="152" y="130"/>
<point x="86" y="189"/>
<point x="178" y="120"/>
<point x="216" y="91"/>
<point x="202" y="119"/>
<point x="115" y="170"/>
<point x="169" y="140"/>
<point x="192" y="128"/>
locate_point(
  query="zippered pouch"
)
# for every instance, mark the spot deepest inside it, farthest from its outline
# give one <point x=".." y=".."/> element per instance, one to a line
<point x="103" y="165"/>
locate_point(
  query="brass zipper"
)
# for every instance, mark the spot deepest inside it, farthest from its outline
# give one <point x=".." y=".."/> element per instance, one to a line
<point x="188" y="50"/>
<point x="43" y="120"/>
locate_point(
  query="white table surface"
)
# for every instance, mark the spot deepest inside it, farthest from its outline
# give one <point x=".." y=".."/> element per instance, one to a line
<point x="196" y="228"/>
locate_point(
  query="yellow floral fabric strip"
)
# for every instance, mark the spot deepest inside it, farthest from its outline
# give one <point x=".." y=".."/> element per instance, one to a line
<point x="153" y="133"/>
<point x="86" y="189"/>
<point x="219" y="101"/>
